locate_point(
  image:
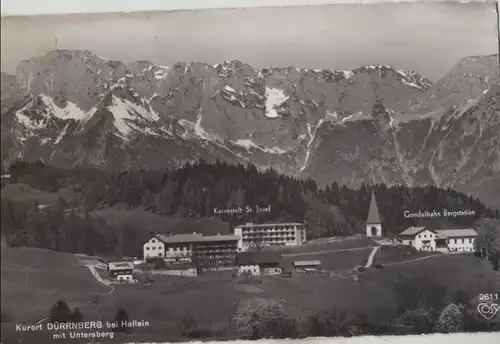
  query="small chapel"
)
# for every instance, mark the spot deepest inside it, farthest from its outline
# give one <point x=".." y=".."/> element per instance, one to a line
<point x="373" y="222"/>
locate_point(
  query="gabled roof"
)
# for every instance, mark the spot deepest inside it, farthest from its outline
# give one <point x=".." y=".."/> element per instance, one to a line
<point x="307" y="263"/>
<point x="373" y="214"/>
<point x="115" y="266"/>
<point x="258" y="258"/>
<point x="413" y="231"/>
<point x="453" y="233"/>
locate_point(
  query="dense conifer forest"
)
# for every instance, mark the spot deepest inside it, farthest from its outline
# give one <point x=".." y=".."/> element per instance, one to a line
<point x="195" y="190"/>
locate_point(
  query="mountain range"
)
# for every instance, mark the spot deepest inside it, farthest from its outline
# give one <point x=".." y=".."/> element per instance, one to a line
<point x="373" y="124"/>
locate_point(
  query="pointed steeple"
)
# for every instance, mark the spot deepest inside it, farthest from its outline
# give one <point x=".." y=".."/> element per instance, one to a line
<point x="373" y="215"/>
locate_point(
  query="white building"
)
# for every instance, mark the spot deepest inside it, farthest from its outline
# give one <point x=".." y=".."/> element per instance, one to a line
<point x="425" y="239"/>
<point x="153" y="248"/>
<point x="422" y="238"/>
<point x="121" y="271"/>
<point x="461" y="240"/>
<point x="182" y="248"/>
<point x="270" y="234"/>
<point x="373" y="221"/>
<point x="264" y="263"/>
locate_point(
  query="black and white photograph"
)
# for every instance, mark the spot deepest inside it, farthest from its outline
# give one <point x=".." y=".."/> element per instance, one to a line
<point x="250" y="173"/>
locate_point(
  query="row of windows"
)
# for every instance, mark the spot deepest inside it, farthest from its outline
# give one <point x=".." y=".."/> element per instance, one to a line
<point x="461" y="241"/>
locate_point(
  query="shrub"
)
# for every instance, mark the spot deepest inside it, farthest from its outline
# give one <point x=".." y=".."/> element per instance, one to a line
<point x="261" y="318"/>
<point x="422" y="319"/>
<point x="451" y="318"/>
<point x="186" y="323"/>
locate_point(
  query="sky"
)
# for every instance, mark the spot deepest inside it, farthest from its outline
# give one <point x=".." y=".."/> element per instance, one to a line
<point x="426" y="37"/>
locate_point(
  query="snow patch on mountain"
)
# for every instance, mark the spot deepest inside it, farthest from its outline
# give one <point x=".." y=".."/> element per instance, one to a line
<point x="274" y="98"/>
<point x="161" y="73"/>
<point x="125" y="113"/>
<point x="70" y="111"/>
<point x="248" y="144"/>
<point x="195" y="130"/>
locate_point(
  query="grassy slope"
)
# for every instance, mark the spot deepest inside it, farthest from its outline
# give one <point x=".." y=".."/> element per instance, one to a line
<point x="171" y="297"/>
<point x="51" y="276"/>
<point x="388" y="254"/>
<point x="336" y="260"/>
<point x="452" y="271"/>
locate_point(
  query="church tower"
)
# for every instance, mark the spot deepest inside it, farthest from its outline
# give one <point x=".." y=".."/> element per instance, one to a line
<point x="373" y="222"/>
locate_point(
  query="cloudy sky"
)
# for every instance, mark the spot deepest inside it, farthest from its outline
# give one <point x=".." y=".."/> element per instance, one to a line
<point x="427" y="37"/>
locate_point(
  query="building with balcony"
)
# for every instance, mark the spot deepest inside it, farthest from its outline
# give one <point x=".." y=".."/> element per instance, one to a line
<point x="204" y="252"/>
<point x="270" y="234"/>
<point x="445" y="240"/>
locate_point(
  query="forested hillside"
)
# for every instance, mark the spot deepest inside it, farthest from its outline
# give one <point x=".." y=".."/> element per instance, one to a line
<point x="193" y="191"/>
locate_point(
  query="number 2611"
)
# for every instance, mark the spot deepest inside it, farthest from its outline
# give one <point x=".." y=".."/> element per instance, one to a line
<point x="488" y="297"/>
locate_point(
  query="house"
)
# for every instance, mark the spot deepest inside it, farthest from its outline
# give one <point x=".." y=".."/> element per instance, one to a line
<point x="121" y="271"/>
<point x="445" y="240"/>
<point x="259" y="263"/>
<point x="460" y="240"/>
<point x="422" y="238"/>
<point x="306" y="265"/>
<point x="373" y="221"/>
<point x="270" y="234"/>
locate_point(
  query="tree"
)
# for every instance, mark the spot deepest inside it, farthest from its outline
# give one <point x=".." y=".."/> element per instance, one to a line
<point x="76" y="315"/>
<point x="60" y="312"/>
<point x="96" y="300"/>
<point x="451" y="318"/>
<point x="261" y="318"/>
<point x="488" y="231"/>
<point x="121" y="320"/>
<point x="257" y="245"/>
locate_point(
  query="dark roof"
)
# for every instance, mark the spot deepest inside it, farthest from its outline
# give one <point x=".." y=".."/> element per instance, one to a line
<point x="195" y="238"/>
<point x="450" y="233"/>
<point x="114" y="266"/>
<point x="258" y="258"/>
<point x="373" y="214"/>
<point x="307" y="263"/>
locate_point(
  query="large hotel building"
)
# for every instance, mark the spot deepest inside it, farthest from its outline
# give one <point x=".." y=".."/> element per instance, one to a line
<point x="270" y="234"/>
<point x="213" y="251"/>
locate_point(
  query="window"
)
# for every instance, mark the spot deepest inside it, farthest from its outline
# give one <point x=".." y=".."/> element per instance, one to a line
<point x="159" y="254"/>
<point x="153" y="241"/>
<point x="147" y="248"/>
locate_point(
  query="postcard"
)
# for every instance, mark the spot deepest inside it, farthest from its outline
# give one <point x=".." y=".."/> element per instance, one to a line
<point x="256" y="173"/>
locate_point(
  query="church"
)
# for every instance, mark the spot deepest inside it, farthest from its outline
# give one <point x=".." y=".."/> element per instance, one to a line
<point x="373" y="222"/>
